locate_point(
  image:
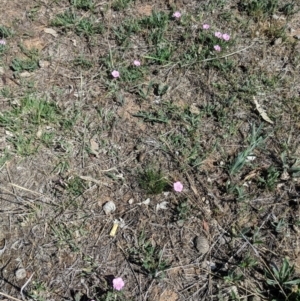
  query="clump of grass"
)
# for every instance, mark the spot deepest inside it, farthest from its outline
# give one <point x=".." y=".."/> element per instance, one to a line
<point x="153" y="181"/>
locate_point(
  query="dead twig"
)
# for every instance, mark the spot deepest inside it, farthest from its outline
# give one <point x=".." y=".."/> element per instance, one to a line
<point x="9" y="297"/>
<point x="25" y="284"/>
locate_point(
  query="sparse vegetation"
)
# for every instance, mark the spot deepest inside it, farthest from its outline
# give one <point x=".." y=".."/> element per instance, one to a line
<point x="184" y="119"/>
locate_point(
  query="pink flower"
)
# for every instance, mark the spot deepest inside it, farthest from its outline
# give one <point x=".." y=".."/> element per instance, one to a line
<point x="226" y="37"/>
<point x="178" y="186"/>
<point x="136" y="63"/>
<point x="177" y="15"/>
<point x="218" y="35"/>
<point x="205" y="26"/>
<point x="115" y="74"/>
<point x="2" y="42"/>
<point x="118" y="283"/>
<point x="217" y="48"/>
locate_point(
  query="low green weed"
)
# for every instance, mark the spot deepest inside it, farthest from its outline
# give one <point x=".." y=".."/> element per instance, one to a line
<point x="83" y="4"/>
<point x="82" y="62"/>
<point x="155" y="20"/>
<point x="75" y="186"/>
<point x="38" y="291"/>
<point x="27" y="120"/>
<point x="233" y="277"/>
<point x="80" y="25"/>
<point x="19" y="65"/>
<point x="88" y="27"/>
<point x="6" y="92"/>
<point x="248" y="262"/>
<point x="65" y="236"/>
<point x="282" y="282"/>
<point x="269" y="178"/>
<point x="125" y="30"/>
<point x="5" y="31"/>
<point x="32" y="14"/>
<point x="289" y="9"/>
<point x="183" y="211"/>
<point x="24" y="144"/>
<point x="121" y="4"/>
<point x="5" y="157"/>
<point x="280" y="225"/>
<point x="255" y="141"/>
<point x="28" y="64"/>
<point x="149" y="257"/>
<point x="236" y="190"/>
<point x="65" y="20"/>
<point x="259" y="9"/>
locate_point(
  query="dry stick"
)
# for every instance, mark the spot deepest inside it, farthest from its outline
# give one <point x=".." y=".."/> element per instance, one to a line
<point x="23" y="188"/>
<point x="124" y="254"/>
<point x="145" y="298"/>
<point x="22" y="288"/>
<point x="29" y="203"/>
<point x="10" y="297"/>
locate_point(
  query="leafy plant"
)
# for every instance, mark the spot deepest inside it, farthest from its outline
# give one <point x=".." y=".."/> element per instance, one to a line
<point x="19" y="65"/>
<point x="183" y="211"/>
<point x="270" y="179"/>
<point x="149" y="257"/>
<point x="75" y="186"/>
<point x="282" y="281"/>
<point x="279" y="225"/>
<point x="248" y="262"/>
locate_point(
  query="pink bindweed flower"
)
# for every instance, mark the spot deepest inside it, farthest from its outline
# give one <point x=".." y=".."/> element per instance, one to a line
<point x="226" y="37"/>
<point x="136" y="63"/>
<point x="177" y="15"/>
<point x="118" y="283"/>
<point x="218" y="34"/>
<point x="178" y="186"/>
<point x="2" y="42"/>
<point x="115" y="74"/>
<point x="217" y="48"/>
<point x="205" y="26"/>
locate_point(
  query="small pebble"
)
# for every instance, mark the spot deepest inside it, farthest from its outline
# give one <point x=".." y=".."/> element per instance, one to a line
<point x="20" y="274"/>
<point x="201" y="244"/>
